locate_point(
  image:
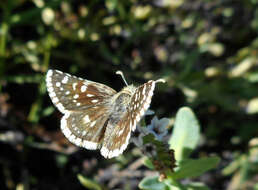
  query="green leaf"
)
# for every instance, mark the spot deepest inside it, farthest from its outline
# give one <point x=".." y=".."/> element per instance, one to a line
<point x="234" y="165"/>
<point x="193" y="168"/>
<point x="256" y="186"/>
<point x="197" y="186"/>
<point x="88" y="183"/>
<point x="147" y="162"/>
<point x="152" y="183"/>
<point x="48" y="111"/>
<point x="186" y="133"/>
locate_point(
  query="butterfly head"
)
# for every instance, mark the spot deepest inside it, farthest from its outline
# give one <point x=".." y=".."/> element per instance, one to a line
<point x="130" y="89"/>
<point x="123" y="97"/>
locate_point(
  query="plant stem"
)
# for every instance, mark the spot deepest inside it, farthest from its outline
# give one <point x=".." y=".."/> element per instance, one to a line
<point x="34" y="114"/>
<point x="4" y="29"/>
<point x="3" y="35"/>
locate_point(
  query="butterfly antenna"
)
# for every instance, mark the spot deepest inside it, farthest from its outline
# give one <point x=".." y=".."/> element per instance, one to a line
<point x="161" y="80"/>
<point x="122" y="75"/>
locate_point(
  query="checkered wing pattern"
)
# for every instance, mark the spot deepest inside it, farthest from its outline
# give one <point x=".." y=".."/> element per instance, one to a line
<point x="69" y="93"/>
<point x="85" y="105"/>
<point x="117" y="134"/>
<point x="141" y="101"/>
<point x="85" y="129"/>
<point x="95" y="115"/>
<point x="116" y="137"/>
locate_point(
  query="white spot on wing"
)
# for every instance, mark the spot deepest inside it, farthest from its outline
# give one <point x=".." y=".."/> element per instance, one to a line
<point x="76" y="96"/>
<point x="52" y="94"/>
<point x="83" y="88"/>
<point x="55" y="100"/>
<point x="71" y="138"/>
<point x="49" y="83"/>
<point x="74" y="86"/>
<point x="94" y="101"/>
<point x="61" y="107"/>
<point x="49" y="78"/>
<point x="65" y="80"/>
<point x="146" y="106"/>
<point x="120" y="132"/>
<point x="64" y="127"/>
<point x="50" y="89"/>
<point x="143" y="90"/>
<point x="59" y="72"/>
<point x="104" y="151"/>
<point x="115" y="153"/>
<point x="86" y="119"/>
<point x="58" y="84"/>
<point x="49" y="73"/>
<point x="134" y="125"/>
<point x="138" y="117"/>
<point x="89" y="145"/>
<point x="90" y="95"/>
<point x="78" y="141"/>
<point x="92" y="124"/>
<point x="142" y="112"/>
<point x="66" y="131"/>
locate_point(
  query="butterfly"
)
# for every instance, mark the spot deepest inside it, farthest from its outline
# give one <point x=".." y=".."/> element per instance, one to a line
<point x="95" y="115"/>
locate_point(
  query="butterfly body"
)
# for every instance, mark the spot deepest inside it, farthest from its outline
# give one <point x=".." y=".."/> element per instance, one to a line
<point x="121" y="101"/>
<point x="95" y="115"/>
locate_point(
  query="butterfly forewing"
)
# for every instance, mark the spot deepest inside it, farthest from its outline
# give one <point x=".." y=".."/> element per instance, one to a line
<point x="141" y="101"/>
<point x="69" y="93"/>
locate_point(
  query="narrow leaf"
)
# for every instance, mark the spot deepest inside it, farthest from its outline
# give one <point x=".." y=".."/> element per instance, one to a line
<point x="90" y="184"/>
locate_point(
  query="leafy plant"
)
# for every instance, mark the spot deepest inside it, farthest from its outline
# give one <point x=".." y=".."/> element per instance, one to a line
<point x="184" y="139"/>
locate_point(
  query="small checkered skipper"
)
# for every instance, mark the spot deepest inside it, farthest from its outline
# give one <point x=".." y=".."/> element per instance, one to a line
<point x="95" y="115"/>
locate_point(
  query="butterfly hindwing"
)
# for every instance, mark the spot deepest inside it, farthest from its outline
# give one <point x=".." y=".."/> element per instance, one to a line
<point x="116" y="137"/>
<point x="85" y="129"/>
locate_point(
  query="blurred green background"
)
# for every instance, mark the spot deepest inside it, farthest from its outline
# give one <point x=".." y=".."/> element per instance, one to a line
<point x="207" y="50"/>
